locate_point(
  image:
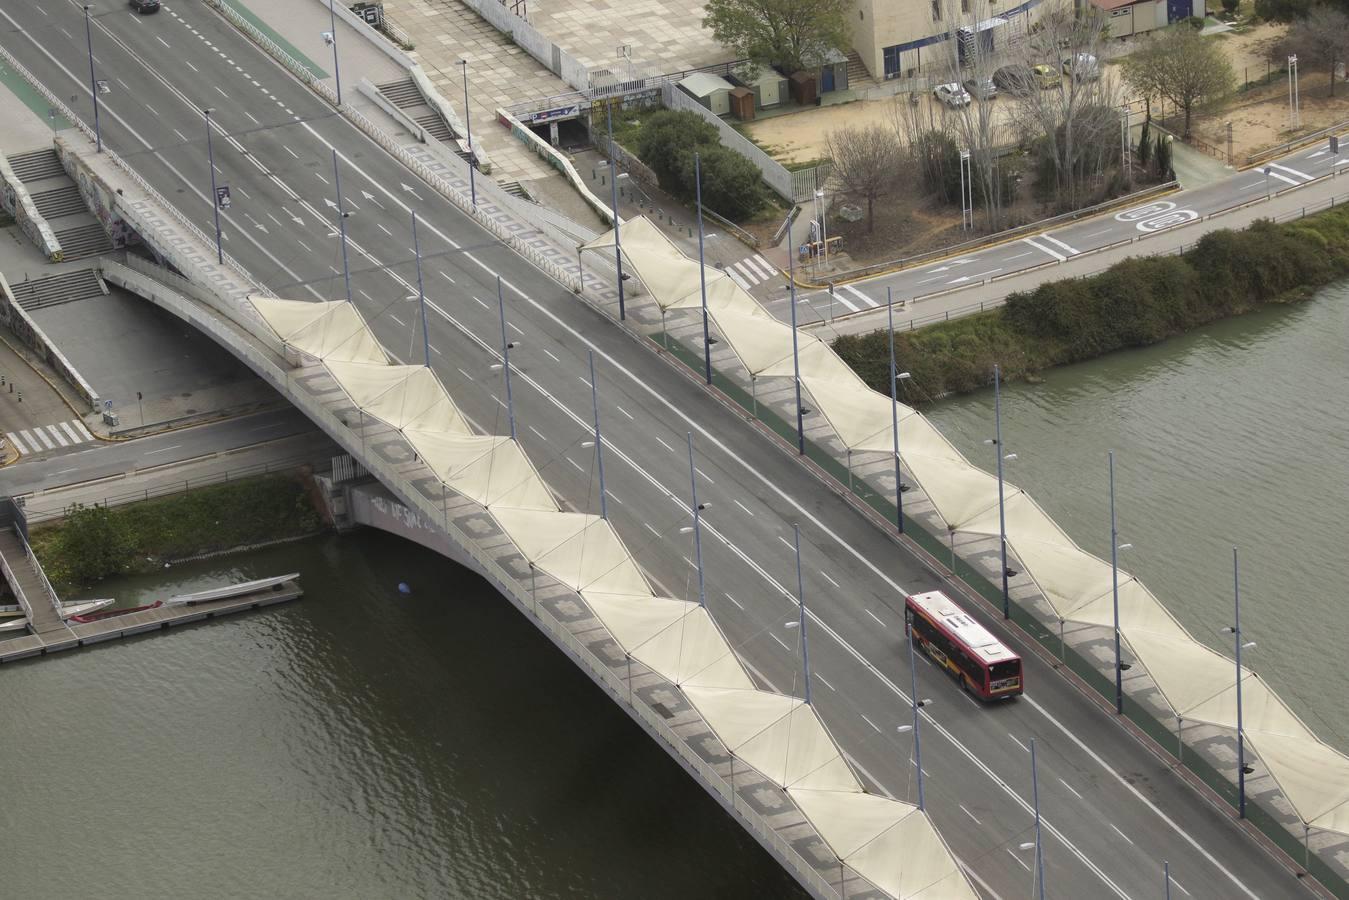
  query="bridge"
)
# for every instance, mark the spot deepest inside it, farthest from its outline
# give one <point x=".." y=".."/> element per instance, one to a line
<point x="1114" y="800"/>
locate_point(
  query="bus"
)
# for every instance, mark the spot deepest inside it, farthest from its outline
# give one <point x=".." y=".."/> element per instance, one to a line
<point x="982" y="664"/>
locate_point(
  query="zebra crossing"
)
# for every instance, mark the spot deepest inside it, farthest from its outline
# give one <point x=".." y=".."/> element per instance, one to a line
<point x="41" y="438"/>
<point x="751" y="270"/>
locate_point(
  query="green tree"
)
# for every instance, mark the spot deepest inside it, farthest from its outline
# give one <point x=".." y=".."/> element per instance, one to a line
<point x="866" y="162"/>
<point x="781" y="33"/>
<point x="732" y="185"/>
<point x="96" y="544"/>
<point x="1321" y="39"/>
<point x="1181" y="66"/>
<point x="667" y="138"/>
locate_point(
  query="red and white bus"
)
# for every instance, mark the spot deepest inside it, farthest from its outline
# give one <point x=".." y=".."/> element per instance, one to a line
<point x="960" y="645"/>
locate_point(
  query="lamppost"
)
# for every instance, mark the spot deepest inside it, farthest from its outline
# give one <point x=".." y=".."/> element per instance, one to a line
<point x="697" y="524"/>
<point x="93" y="82"/>
<point x="801" y="601"/>
<point x="917" y="705"/>
<point x="506" y="346"/>
<point x="996" y="441"/>
<point x="702" y="266"/>
<point x="421" y="292"/>
<point x="1235" y="630"/>
<point x="468" y="133"/>
<point x="796" y="359"/>
<point x="215" y="198"/>
<point x="895" y="377"/>
<point x="1039" y="854"/>
<point x="1115" y="547"/>
<point x="1294" y="104"/>
<point x="332" y="39"/>
<point x="599" y="440"/>
<point x="613" y="206"/>
<point x="341" y="223"/>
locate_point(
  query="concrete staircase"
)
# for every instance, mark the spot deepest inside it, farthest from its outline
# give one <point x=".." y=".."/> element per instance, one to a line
<point x="60" y="201"/>
<point x="858" y="76"/>
<point x="37" y="165"/>
<point x="405" y="95"/>
<point x="83" y="241"/>
<point x="41" y="605"/>
<point x="515" y="189"/>
<point x="67" y="287"/>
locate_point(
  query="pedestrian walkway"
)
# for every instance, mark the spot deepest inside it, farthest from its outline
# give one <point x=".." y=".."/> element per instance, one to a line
<point x="752" y="270"/>
<point x="40" y="438"/>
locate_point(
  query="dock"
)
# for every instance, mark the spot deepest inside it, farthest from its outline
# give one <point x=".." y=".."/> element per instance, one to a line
<point x="49" y="634"/>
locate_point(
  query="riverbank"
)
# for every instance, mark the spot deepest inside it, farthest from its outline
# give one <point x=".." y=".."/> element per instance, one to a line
<point x="1134" y="303"/>
<point x="94" y="542"/>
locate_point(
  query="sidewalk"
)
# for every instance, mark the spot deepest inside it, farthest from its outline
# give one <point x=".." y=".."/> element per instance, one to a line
<point x="1195" y="168"/>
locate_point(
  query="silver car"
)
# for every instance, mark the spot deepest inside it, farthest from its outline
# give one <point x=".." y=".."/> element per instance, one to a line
<point x="983" y="88"/>
<point x="953" y="95"/>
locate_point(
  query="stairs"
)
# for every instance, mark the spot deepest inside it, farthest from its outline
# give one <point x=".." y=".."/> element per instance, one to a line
<point x="57" y="202"/>
<point x="436" y="127"/>
<point x="54" y="290"/>
<point x="404" y="95"/>
<point x="44" y="620"/>
<point x="515" y="189"/>
<point x="858" y="76"/>
<point x="83" y="240"/>
<point x="37" y="165"/>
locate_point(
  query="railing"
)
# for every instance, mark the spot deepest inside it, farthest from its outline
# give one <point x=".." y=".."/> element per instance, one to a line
<point x="1296" y="142"/>
<point x="42" y="575"/>
<point x="14" y="583"/>
<point x="1197" y="143"/>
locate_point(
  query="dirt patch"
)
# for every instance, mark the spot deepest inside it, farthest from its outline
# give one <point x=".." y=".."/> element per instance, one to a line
<point x="1260" y="119"/>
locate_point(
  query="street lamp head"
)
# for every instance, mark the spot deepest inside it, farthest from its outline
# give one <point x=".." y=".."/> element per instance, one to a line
<point x="587" y="443"/>
<point x="1028" y="845"/>
<point x="704" y="505"/>
<point x="1248" y="645"/>
<point x="1010" y="456"/>
<point x="327" y="38"/>
<point x="1126" y="546"/>
<point x="990" y="440"/>
<point x="903" y="376"/>
<point x="904" y="729"/>
<point x="1229" y="629"/>
<point x="686" y="529"/>
<point x="512" y="345"/>
<point x="791" y="624"/>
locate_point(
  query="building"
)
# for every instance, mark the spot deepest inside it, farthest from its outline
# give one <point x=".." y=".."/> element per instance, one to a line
<point x="898" y="38"/>
<point x="1127" y="17"/>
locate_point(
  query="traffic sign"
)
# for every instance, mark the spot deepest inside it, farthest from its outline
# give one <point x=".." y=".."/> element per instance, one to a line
<point x="107" y="406"/>
<point x="222" y="196"/>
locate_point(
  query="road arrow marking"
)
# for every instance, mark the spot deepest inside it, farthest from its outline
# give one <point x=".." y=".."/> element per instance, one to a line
<point x="371" y="197"/>
<point x="964" y="278"/>
<point x="330" y="203"/>
<point x="409" y="190"/>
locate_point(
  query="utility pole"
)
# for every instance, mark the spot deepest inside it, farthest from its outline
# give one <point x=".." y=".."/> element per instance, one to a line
<point x="613" y="201"/>
<point x="421" y="291"/>
<point x="468" y="129"/>
<point x="215" y="198"/>
<point x="341" y="224"/>
<point x="337" y="69"/>
<point x="93" y="81"/>
<point x="702" y="266"/>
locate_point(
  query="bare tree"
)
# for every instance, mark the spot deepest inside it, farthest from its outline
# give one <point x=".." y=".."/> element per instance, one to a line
<point x="1321" y="39"/>
<point x="866" y="162"/>
<point x="1181" y="66"/>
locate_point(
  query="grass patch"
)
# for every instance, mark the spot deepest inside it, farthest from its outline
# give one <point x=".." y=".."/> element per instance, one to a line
<point x="93" y="542"/>
<point x="1136" y="302"/>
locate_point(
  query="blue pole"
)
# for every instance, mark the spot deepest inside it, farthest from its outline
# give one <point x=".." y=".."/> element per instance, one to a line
<point x="506" y="358"/>
<point x="468" y="133"/>
<point x="613" y="194"/>
<point x="801" y="600"/>
<point x="342" y="224"/>
<point x="702" y="267"/>
<point x="1114" y="585"/>
<point x="93" y="82"/>
<point x="1166" y="873"/>
<point x="894" y="415"/>
<point x="913" y="696"/>
<point x="796" y="360"/>
<point x="697" y="525"/>
<point x="421" y="291"/>
<point x="599" y="441"/>
<point x="1035" y="795"/>
<point x="337" y="70"/>
<point x="215" y="200"/>
<point x="1002" y="511"/>
<point x="1241" y="742"/>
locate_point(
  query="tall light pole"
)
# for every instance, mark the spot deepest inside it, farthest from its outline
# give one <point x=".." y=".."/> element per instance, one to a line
<point x="468" y="133"/>
<point x="337" y="69"/>
<point x="1235" y="630"/>
<point x="421" y="291"/>
<point x="796" y="359"/>
<point x="613" y="206"/>
<point x="599" y="440"/>
<point x="1294" y="117"/>
<point x="1039" y="851"/>
<point x="917" y="705"/>
<point x="341" y="223"/>
<point x="1002" y="509"/>
<point x="506" y="346"/>
<point x="93" y="82"/>
<point x="801" y="623"/>
<point x="702" y="266"/>
<point x="894" y="412"/>
<point x="1166" y="874"/>
<point x="1114" y="587"/>
<point x="697" y="524"/>
<point x="215" y="198"/>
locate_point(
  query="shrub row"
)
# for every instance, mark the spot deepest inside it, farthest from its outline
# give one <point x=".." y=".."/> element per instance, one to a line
<point x="1139" y="301"/>
<point x="732" y="185"/>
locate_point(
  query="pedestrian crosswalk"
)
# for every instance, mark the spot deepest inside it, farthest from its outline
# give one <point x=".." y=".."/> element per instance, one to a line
<point x="751" y="270"/>
<point x="41" y="438"/>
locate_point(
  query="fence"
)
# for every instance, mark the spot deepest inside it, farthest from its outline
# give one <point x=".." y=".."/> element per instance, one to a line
<point x="47" y="588"/>
<point x="32" y="335"/>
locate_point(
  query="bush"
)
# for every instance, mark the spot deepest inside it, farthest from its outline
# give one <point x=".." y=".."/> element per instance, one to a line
<point x="732" y="185"/>
<point x="1230" y="6"/>
<point x="1282" y="10"/>
<point x="1135" y="302"/>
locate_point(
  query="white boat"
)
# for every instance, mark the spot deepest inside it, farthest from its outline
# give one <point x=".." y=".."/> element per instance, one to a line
<point x="85" y="606"/>
<point x="16" y="624"/>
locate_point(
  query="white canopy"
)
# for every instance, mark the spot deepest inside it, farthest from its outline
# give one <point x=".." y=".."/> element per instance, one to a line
<point x="489" y="469"/>
<point x="580" y="550"/>
<point x="400" y="396"/>
<point x="327" y="330"/>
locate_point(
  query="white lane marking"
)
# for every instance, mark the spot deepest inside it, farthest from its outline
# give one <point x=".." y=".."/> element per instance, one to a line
<point x="401" y="323"/>
<point x="153" y="111"/>
<point x="220" y="92"/>
<point x="743" y="506"/>
<point x="1139" y="795"/>
<point x="1043" y="249"/>
<point x="704" y="475"/>
<point x="181" y="136"/>
<point x="1253" y="184"/>
<point x="290" y="151"/>
<point x="1097" y="233"/>
<point x="1303" y="175"/>
<point x="536" y="431"/>
<point x="1017" y="256"/>
<point x="74" y="438"/>
<point x="32" y="441"/>
<point x="1052" y="239"/>
<point x="789" y="545"/>
<point x="1018" y="859"/>
<point x="584" y="380"/>
<point x="732" y="599"/>
<point x="1018" y="743"/>
<point x="161" y="40"/>
<point x="483" y="305"/>
<point x="967" y="278"/>
<point x="1284" y="178"/>
<point x="1120" y="833"/>
<point x="834" y="295"/>
<point x="665" y="445"/>
<point x="858" y="294"/>
<point x="1070" y="789"/>
<point x="321" y="178"/>
<point x="42" y="436"/>
<point x="465" y="374"/>
<point x="56" y="433"/>
<point x="624" y="412"/>
<point x="825" y="681"/>
<point x="162" y="449"/>
<point x="573" y="463"/>
<point x="446" y="277"/>
<point x="742" y="272"/>
<point x="760" y="266"/>
<point x="14" y="439"/>
<point x="550" y="354"/>
<point x="79" y="426"/>
<point x="782" y="645"/>
<point x="872" y="724"/>
<point x="739" y="279"/>
<point x="380" y="226"/>
<point x="873" y="615"/>
<point x="304" y="245"/>
<point x="1181" y="886"/>
<point x="968" y="813"/>
<point x="652" y="530"/>
<point x="825" y="576"/>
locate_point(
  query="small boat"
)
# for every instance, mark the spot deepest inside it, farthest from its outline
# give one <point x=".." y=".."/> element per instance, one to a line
<point x="84" y="607"/>
<point x="85" y="618"/>
<point x="14" y="624"/>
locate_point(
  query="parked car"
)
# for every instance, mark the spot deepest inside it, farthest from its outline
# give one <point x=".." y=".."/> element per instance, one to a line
<point x="1046" y="77"/>
<point x="1083" y="67"/>
<point x="982" y="88"/>
<point x="145" y="6"/>
<point x="953" y="95"/>
<point x="1015" y="80"/>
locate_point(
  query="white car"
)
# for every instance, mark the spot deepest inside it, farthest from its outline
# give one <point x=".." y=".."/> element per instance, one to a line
<point x="1084" y="67"/>
<point x="953" y="95"/>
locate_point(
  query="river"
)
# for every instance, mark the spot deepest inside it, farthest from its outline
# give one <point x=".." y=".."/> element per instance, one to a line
<point x="358" y="743"/>
<point x="1233" y="435"/>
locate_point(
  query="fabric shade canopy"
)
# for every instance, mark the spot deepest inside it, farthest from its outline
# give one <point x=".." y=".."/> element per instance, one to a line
<point x="400" y="396"/>
<point x="327" y="330"/>
<point x="580" y="550"/>
<point x="488" y="469"/>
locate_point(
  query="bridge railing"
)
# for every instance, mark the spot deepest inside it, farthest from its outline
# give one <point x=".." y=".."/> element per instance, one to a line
<point x="274" y="370"/>
<point x="13" y="580"/>
<point x="47" y="588"/>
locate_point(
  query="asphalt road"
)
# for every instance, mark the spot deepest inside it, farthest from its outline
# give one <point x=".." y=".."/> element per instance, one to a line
<point x="1112" y="811"/>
